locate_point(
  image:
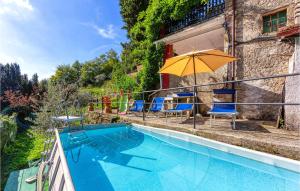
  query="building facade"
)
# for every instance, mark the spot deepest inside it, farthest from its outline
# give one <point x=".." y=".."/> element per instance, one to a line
<point x="247" y="29"/>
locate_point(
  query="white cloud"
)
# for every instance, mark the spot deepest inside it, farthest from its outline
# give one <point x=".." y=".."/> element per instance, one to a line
<point x="100" y="48"/>
<point x="25" y="4"/>
<point x="107" y="32"/>
<point x="17" y="8"/>
<point x="17" y="46"/>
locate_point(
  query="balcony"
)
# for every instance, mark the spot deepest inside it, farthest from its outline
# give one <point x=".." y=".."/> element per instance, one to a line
<point x="197" y="15"/>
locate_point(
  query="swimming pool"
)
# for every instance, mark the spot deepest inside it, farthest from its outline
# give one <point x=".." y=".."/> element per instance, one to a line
<point x="130" y="157"/>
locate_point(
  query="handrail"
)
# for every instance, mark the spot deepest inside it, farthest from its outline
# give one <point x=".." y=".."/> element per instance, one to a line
<point x="197" y="15"/>
<point x="228" y="82"/>
<point x="214" y="83"/>
<point x="66" y="171"/>
<point x="194" y="88"/>
<point x="229" y="103"/>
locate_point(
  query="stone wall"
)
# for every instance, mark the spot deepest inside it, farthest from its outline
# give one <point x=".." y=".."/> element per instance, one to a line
<point x="260" y="55"/>
<point x="292" y="89"/>
<point x="204" y="93"/>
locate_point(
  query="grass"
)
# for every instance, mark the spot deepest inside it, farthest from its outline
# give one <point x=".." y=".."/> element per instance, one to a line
<point x="27" y="147"/>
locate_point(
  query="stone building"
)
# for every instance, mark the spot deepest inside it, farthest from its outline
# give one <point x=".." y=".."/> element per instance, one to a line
<point x="247" y="29"/>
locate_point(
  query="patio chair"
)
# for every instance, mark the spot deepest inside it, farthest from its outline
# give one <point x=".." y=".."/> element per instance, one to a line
<point x="180" y="108"/>
<point x="138" y="106"/>
<point x="157" y="105"/>
<point x="224" y="108"/>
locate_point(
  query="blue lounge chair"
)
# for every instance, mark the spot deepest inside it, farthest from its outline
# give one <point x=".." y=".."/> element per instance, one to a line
<point x="180" y="108"/>
<point x="138" y="106"/>
<point x="224" y="108"/>
<point x="157" y="105"/>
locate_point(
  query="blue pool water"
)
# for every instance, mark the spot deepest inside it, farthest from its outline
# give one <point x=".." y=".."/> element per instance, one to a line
<point x="129" y="159"/>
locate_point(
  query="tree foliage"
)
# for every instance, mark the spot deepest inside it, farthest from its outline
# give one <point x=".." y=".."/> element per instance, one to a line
<point x="143" y="26"/>
<point x="8" y="130"/>
<point x="65" y="74"/>
<point x="10" y="77"/>
<point x="89" y="73"/>
<point x="121" y="80"/>
<point x="130" y="10"/>
<point x="35" y="80"/>
<point x="19" y="94"/>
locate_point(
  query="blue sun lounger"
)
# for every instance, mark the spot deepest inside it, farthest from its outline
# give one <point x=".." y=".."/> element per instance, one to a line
<point x="224" y="108"/>
<point x="157" y="105"/>
<point x="138" y="106"/>
<point x="180" y="108"/>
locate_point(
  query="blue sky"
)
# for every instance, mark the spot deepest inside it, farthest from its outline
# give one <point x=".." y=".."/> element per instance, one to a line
<point x="42" y="34"/>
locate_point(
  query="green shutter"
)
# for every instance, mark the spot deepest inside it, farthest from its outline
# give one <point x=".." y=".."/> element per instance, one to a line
<point x="282" y="18"/>
<point x="266" y="24"/>
<point x="274" y="22"/>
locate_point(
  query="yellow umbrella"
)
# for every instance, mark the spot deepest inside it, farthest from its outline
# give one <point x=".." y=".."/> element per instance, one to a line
<point x="196" y="62"/>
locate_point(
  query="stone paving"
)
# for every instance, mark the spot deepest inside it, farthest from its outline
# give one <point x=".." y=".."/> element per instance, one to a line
<point x="252" y="134"/>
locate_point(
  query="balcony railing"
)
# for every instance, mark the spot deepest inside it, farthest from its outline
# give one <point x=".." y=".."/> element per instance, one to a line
<point x="197" y="15"/>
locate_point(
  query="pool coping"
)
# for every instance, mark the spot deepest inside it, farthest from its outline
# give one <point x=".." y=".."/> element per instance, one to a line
<point x="278" y="161"/>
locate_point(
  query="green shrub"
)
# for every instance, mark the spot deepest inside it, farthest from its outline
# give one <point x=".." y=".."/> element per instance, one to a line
<point x="27" y="146"/>
<point x="8" y="129"/>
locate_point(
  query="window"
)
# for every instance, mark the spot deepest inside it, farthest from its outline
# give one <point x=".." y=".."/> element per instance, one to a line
<point x="274" y="21"/>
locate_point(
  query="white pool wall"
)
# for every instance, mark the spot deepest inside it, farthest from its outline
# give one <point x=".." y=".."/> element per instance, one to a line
<point x="267" y="158"/>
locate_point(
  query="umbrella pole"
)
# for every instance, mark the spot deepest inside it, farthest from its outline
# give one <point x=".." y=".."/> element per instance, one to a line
<point x="195" y="93"/>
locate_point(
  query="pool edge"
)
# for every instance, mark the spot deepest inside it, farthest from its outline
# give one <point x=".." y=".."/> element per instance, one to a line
<point x="267" y="158"/>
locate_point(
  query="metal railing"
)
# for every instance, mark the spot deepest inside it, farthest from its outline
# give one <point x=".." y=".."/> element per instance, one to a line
<point x="197" y="15"/>
<point x="194" y="89"/>
<point x="59" y="173"/>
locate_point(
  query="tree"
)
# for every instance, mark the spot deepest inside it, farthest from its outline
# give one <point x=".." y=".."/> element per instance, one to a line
<point x="26" y="85"/>
<point x="95" y="72"/>
<point x="65" y="74"/>
<point x="22" y="105"/>
<point x="10" y="77"/>
<point x="121" y="80"/>
<point x="110" y="60"/>
<point x="77" y="66"/>
<point x="35" y="80"/>
<point x="43" y="85"/>
<point x="130" y="10"/>
<point x="89" y="71"/>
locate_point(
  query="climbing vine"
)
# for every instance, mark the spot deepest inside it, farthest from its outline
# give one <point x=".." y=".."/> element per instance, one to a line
<point x="146" y="30"/>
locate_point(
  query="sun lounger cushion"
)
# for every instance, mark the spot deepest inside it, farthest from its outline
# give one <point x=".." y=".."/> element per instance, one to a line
<point x="185" y="94"/>
<point x="157" y="104"/>
<point x="181" y="107"/>
<point x="223" y="108"/>
<point x="138" y="106"/>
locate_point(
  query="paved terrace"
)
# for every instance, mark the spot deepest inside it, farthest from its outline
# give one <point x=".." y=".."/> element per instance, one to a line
<point x="252" y="134"/>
